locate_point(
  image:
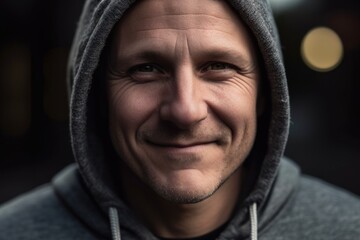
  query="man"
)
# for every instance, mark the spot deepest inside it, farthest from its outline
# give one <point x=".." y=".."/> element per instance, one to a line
<point x="179" y="119"/>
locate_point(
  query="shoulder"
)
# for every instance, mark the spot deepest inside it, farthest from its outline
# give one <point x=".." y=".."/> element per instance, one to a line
<point x="332" y="211"/>
<point x="318" y="210"/>
<point x="329" y="203"/>
<point x="327" y="193"/>
<point x="38" y="214"/>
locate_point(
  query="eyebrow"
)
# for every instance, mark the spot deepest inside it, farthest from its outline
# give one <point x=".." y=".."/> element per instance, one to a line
<point x="246" y="62"/>
<point x="230" y="54"/>
<point x="213" y="54"/>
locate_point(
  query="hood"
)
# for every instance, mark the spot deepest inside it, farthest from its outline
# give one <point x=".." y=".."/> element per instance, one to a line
<point x="88" y="132"/>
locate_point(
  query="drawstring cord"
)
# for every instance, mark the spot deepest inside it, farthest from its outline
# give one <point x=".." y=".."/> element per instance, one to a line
<point x="253" y="221"/>
<point x="114" y="223"/>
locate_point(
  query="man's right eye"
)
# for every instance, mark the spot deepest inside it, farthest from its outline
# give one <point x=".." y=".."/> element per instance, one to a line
<point x="146" y="72"/>
<point x="145" y="68"/>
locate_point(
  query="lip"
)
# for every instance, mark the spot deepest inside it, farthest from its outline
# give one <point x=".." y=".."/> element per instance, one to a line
<point x="181" y="145"/>
<point x="183" y="149"/>
<point x="191" y="147"/>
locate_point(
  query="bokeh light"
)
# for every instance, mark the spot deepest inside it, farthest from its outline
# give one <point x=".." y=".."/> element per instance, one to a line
<point x="15" y="89"/>
<point x="55" y="92"/>
<point x="322" y="49"/>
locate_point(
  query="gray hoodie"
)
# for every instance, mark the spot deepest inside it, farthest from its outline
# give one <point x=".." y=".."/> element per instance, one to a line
<point x="81" y="201"/>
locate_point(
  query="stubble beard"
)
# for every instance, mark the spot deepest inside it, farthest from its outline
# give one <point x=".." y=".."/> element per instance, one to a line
<point x="183" y="196"/>
<point x="175" y="195"/>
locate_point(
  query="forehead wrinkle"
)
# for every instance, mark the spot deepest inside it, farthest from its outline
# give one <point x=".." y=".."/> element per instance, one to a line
<point x="146" y="38"/>
<point x="172" y="7"/>
<point x="187" y="14"/>
<point x="171" y="29"/>
<point x="182" y="22"/>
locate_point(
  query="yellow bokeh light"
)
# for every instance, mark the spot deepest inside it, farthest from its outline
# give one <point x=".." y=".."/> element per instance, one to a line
<point x="15" y="89"/>
<point x="322" y="49"/>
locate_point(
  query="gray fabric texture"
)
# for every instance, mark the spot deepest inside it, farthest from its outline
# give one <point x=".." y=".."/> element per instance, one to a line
<point x="298" y="207"/>
<point x="75" y="204"/>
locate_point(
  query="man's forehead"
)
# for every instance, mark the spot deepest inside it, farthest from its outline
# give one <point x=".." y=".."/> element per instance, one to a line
<point x="156" y="26"/>
<point x="180" y="7"/>
<point x="179" y="14"/>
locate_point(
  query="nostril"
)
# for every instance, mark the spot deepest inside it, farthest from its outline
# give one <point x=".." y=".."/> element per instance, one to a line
<point x="183" y="114"/>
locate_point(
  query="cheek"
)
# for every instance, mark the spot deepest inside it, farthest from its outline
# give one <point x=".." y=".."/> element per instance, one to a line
<point x="240" y="116"/>
<point x="236" y="107"/>
<point x="243" y="123"/>
<point x="129" y="107"/>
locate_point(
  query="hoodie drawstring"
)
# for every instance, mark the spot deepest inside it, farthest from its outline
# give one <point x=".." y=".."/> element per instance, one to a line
<point x="114" y="223"/>
<point x="253" y="221"/>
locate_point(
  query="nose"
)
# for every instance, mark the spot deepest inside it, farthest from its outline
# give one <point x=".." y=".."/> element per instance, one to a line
<point x="185" y="105"/>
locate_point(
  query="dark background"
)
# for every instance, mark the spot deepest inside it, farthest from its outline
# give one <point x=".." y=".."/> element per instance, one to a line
<point x="35" y="37"/>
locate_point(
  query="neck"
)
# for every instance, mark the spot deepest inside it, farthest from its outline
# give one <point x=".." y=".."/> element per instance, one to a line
<point x="173" y="220"/>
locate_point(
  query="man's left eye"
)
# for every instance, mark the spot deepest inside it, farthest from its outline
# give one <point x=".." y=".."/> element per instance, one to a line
<point x="217" y="66"/>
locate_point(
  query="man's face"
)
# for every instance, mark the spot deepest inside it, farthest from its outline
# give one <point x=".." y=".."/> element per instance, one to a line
<point x="182" y="90"/>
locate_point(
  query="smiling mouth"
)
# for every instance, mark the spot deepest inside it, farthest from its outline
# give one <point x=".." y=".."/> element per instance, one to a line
<point x="181" y="145"/>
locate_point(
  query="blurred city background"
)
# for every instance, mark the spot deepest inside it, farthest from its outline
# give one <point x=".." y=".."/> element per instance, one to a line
<point x="321" y="45"/>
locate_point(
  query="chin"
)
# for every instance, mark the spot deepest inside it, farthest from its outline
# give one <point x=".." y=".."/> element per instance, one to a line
<point x="177" y="196"/>
<point x="183" y="193"/>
